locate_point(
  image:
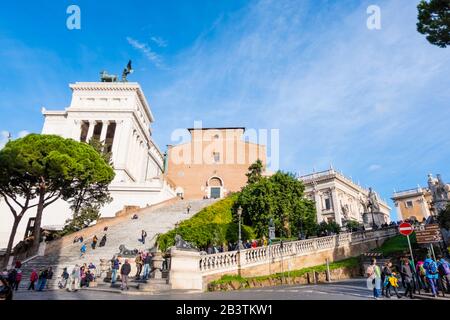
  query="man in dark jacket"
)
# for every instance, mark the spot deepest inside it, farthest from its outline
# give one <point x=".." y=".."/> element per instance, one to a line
<point x="124" y="272"/>
<point x="407" y="277"/>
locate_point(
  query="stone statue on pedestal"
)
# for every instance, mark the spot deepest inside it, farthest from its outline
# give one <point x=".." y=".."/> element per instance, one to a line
<point x="373" y="201"/>
<point x="183" y="245"/>
<point x="439" y="191"/>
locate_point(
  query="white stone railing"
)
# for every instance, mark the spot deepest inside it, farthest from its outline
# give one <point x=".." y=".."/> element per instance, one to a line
<point x="224" y="261"/>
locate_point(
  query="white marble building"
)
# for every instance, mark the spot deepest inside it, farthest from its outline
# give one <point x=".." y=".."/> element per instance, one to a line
<point x="119" y="114"/>
<point x="339" y="199"/>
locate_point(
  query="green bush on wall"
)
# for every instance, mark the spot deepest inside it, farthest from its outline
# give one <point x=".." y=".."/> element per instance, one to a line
<point x="212" y="225"/>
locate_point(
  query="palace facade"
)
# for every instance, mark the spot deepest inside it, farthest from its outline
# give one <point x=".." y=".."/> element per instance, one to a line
<point x="339" y="199"/>
<point x="213" y="163"/>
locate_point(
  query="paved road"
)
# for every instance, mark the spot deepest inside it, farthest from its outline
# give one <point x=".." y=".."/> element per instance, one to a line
<point x="354" y="289"/>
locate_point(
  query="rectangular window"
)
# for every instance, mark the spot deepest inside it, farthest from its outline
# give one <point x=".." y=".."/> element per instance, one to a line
<point x="327" y="203"/>
<point x="409" y="204"/>
<point x="216" y="156"/>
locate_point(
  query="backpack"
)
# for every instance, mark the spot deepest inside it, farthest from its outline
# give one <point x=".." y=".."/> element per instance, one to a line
<point x="444" y="268"/>
<point x="422" y="270"/>
<point x="432" y="267"/>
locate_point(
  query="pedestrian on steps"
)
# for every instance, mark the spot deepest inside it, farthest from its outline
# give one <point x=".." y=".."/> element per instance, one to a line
<point x="49" y="276"/>
<point x="374" y="276"/>
<point x="139" y="264"/>
<point x="18" y="279"/>
<point x="407" y="276"/>
<point x="143" y="236"/>
<point x="33" y="279"/>
<point x="102" y="241"/>
<point x="147" y="263"/>
<point x="124" y="272"/>
<point x="115" y="265"/>
<point x="82" y="250"/>
<point x="94" y="242"/>
<point x="74" y="280"/>
<point x="188" y="208"/>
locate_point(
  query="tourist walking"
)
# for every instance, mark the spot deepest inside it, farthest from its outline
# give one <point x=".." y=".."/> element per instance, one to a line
<point x="421" y="276"/>
<point x="42" y="280"/>
<point x="74" y="280"/>
<point x="143" y="236"/>
<point x="374" y="275"/>
<point x="124" y="272"/>
<point x="49" y="276"/>
<point x="432" y="274"/>
<point x="33" y="279"/>
<point x="102" y="241"/>
<point x="407" y="276"/>
<point x="12" y="274"/>
<point x="18" y="279"/>
<point x="390" y="281"/>
<point x="64" y="278"/>
<point x="188" y="208"/>
<point x="115" y="265"/>
<point x="82" y="250"/>
<point x="139" y="263"/>
<point x="444" y="273"/>
<point x="94" y="242"/>
<point x="147" y="263"/>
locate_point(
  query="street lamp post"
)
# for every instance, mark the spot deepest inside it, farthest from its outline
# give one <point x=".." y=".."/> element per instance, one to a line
<point x="239" y="212"/>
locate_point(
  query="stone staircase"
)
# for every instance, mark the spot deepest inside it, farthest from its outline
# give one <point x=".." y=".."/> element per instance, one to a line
<point x="128" y="233"/>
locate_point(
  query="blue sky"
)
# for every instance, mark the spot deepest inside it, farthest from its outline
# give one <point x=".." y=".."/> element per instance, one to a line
<point x="374" y="103"/>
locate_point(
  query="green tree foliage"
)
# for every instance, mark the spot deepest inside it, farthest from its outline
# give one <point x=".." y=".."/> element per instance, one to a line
<point x="82" y="219"/>
<point x="328" y="228"/>
<point x="45" y="168"/>
<point x="280" y="197"/>
<point x="212" y="225"/>
<point x="353" y="225"/>
<point x="444" y="218"/>
<point x="255" y="172"/>
<point x="434" y="21"/>
<point x="91" y="192"/>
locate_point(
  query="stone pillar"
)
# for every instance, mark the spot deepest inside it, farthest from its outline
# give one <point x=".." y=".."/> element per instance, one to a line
<point x="76" y="130"/>
<point x="116" y="157"/>
<point x="105" y="125"/>
<point x="425" y="208"/>
<point x="398" y="210"/>
<point x="317" y="200"/>
<point x="185" y="270"/>
<point x="90" y="130"/>
<point x="336" y="207"/>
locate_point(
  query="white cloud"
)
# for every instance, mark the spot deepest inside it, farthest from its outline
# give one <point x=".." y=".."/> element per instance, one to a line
<point x="374" y="167"/>
<point x="159" y="41"/>
<point x="23" y="133"/>
<point x="4" y="136"/>
<point x="147" y="51"/>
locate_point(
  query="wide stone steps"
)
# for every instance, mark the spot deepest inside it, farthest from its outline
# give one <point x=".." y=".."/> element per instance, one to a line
<point x="128" y="233"/>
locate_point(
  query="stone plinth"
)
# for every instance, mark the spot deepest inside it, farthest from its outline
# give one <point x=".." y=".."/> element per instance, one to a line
<point x="184" y="270"/>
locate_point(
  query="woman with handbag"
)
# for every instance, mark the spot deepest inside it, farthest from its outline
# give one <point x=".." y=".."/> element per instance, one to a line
<point x="374" y="278"/>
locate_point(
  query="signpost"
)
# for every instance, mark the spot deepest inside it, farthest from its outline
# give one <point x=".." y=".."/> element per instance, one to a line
<point x="429" y="234"/>
<point x="406" y="229"/>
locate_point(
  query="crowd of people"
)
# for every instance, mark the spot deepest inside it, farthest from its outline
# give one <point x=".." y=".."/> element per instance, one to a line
<point x="428" y="275"/>
<point x="143" y="261"/>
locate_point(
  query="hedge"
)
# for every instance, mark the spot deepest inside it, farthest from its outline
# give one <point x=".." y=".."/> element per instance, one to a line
<point x="212" y="225"/>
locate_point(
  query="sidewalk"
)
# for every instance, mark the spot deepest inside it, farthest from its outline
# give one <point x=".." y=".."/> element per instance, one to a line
<point x="429" y="296"/>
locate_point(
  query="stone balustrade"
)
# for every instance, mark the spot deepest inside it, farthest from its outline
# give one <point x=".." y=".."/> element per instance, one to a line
<point x="220" y="262"/>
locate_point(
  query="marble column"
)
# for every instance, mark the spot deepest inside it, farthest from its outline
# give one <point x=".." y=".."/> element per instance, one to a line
<point x="105" y="125"/>
<point x="398" y="210"/>
<point x="90" y="133"/>
<point x="76" y="131"/>
<point x="336" y="207"/>
<point x="318" y="206"/>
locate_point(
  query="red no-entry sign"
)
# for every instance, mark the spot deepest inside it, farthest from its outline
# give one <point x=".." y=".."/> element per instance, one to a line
<point x="405" y="228"/>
